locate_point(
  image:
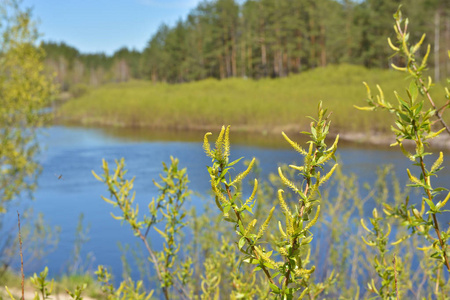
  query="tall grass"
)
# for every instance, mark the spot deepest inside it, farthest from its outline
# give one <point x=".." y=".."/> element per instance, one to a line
<point x="265" y="105"/>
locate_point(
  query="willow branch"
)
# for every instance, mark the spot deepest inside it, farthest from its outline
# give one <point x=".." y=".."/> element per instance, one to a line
<point x="238" y="215"/>
<point x="149" y="249"/>
<point x="435" y="221"/>
<point x="425" y="89"/>
<point x="21" y="258"/>
<point x="394" y="261"/>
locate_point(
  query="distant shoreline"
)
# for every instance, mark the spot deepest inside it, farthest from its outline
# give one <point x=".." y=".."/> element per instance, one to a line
<point x="382" y="139"/>
<point x="263" y="106"/>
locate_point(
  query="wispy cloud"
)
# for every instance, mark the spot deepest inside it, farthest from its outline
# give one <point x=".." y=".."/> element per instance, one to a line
<point x="170" y="4"/>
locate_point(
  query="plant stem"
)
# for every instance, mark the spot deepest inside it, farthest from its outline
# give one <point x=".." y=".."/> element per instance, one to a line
<point x="436" y="288"/>
<point x="426" y="91"/>
<point x="435" y="221"/>
<point x="155" y="261"/>
<point x="238" y="215"/>
<point x="149" y="249"/>
<point x="394" y="261"/>
<point x="21" y="259"/>
<point x="438" y="111"/>
<point x="294" y="244"/>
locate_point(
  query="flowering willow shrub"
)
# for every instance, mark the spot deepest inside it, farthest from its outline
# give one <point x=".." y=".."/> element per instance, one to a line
<point x="288" y="270"/>
<point x="414" y="122"/>
<point x="167" y="209"/>
<point x="267" y="252"/>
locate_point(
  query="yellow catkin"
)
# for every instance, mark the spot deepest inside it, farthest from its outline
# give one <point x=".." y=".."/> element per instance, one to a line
<point x="283" y="204"/>
<point x="313" y="221"/>
<point x="365" y="227"/>
<point x="392" y="45"/>
<point x="438" y="162"/>
<point x="445" y="201"/>
<point x="294" y="144"/>
<point x="226" y="143"/>
<point x="287" y="181"/>
<point x="265" y="224"/>
<point x="250" y="227"/>
<point x="303" y="272"/>
<point x="413" y="178"/>
<point x="280" y="227"/>
<point x="264" y="257"/>
<point x="219" y="144"/>
<point x="252" y="196"/>
<point x="283" y="251"/>
<point x="300" y="169"/>
<point x="206" y="146"/>
<point x="326" y="177"/>
<point x="242" y="175"/>
<point x="216" y="191"/>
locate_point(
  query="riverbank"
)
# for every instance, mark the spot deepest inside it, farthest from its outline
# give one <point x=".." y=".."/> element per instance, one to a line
<point x="13" y="282"/>
<point x="265" y="106"/>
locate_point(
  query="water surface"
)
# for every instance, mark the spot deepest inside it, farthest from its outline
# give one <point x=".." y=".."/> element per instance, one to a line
<point x="67" y="188"/>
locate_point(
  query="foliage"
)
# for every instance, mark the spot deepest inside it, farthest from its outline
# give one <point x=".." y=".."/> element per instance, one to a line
<point x="292" y="244"/>
<point x="39" y="239"/>
<point x="254" y="39"/>
<point x="211" y="103"/>
<point x="25" y="91"/>
<point x="40" y="282"/>
<point x="127" y="289"/>
<point x="43" y="287"/>
<point x="414" y="122"/>
<point x="76" y="71"/>
<point x="168" y="207"/>
<point x="293" y="264"/>
<point x="77" y="294"/>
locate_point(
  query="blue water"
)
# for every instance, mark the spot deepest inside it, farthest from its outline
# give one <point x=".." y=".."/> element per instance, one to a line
<point x="66" y="187"/>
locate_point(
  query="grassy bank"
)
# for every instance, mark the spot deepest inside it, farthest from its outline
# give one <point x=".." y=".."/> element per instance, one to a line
<point x="68" y="282"/>
<point x="265" y="105"/>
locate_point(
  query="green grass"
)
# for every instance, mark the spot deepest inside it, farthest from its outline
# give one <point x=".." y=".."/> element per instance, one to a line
<point x="14" y="282"/>
<point x="264" y="105"/>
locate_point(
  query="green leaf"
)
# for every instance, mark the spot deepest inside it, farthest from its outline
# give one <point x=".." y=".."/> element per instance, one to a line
<point x="9" y="293"/>
<point x="226" y="208"/>
<point x="234" y="162"/>
<point x="274" y="288"/>
<point x="109" y="201"/>
<point x="241" y="242"/>
<point x="96" y="176"/>
<point x="430" y="203"/>
<point x="161" y="233"/>
<point x="366" y="108"/>
<point x="229" y="219"/>
<point x="436" y="255"/>
<point x="413" y="90"/>
<point x="251" y="260"/>
<point x="116" y="217"/>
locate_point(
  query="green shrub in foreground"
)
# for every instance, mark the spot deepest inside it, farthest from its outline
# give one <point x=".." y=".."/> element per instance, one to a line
<point x="260" y="258"/>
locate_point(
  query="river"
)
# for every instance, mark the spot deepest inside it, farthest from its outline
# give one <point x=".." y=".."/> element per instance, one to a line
<point x="66" y="187"/>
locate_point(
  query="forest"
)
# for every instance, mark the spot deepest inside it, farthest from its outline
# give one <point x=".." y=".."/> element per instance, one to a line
<point x="261" y="38"/>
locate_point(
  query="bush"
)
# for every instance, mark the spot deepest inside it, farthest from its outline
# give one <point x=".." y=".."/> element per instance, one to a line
<point x="267" y="248"/>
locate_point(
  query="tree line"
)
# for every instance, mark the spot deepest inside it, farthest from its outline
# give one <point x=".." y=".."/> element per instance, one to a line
<point x="262" y="38"/>
<point x="72" y="68"/>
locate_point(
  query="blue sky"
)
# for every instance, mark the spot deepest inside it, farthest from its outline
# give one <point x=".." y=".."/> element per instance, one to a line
<point x="105" y="25"/>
